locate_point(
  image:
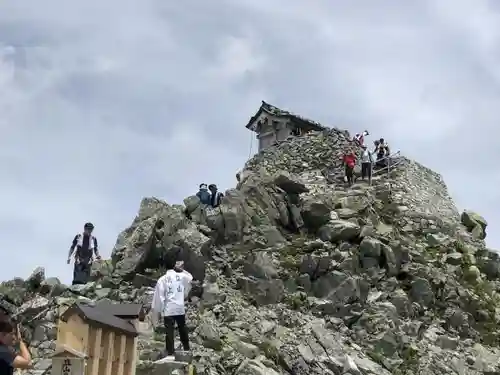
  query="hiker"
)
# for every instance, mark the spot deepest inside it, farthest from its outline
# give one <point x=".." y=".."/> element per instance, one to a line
<point x="383" y="152"/>
<point x="360" y="138"/>
<point x="349" y="160"/>
<point x="10" y="334"/>
<point x="203" y="194"/>
<point x="86" y="246"/>
<point x="216" y="196"/>
<point x="366" y="164"/>
<point x="169" y="301"/>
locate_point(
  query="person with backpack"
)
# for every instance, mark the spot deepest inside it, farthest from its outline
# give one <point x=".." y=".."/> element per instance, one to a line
<point x="349" y="160"/>
<point x="169" y="297"/>
<point x="203" y="194"/>
<point x="216" y="196"/>
<point x="383" y="152"/>
<point x="366" y="164"/>
<point x="86" y="247"/>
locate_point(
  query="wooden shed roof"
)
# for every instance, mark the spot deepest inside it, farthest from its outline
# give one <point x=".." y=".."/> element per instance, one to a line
<point x="121" y="310"/>
<point x="100" y="317"/>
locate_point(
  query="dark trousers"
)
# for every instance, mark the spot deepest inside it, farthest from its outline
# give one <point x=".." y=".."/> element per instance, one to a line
<point x="366" y="170"/>
<point x="169" y="322"/>
<point x="81" y="272"/>
<point x="381" y="161"/>
<point x="349" y="173"/>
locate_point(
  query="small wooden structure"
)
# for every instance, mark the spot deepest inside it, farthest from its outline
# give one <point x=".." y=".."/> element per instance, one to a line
<point x="106" y="334"/>
<point x="273" y="125"/>
<point x="67" y="361"/>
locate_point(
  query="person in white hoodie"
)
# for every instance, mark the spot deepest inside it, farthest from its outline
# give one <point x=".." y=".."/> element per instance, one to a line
<point x="168" y="302"/>
<point x="366" y="164"/>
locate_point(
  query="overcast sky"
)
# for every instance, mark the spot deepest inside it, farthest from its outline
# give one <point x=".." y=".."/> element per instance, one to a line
<point x="104" y="102"/>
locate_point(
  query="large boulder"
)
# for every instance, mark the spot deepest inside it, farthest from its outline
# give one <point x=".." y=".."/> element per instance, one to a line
<point x="475" y="223"/>
<point x="137" y="246"/>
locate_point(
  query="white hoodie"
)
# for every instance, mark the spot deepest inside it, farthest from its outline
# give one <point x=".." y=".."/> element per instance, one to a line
<point x="170" y="292"/>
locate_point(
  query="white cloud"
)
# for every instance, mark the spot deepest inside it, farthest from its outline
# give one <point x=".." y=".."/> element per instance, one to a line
<point x="104" y="103"/>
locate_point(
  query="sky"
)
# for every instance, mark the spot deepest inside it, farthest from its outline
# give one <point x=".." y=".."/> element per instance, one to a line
<point x="103" y="103"/>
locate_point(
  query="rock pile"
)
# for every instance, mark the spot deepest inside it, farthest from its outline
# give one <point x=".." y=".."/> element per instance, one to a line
<point x="299" y="275"/>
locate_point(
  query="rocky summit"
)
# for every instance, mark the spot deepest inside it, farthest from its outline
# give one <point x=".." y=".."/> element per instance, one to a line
<point x="297" y="274"/>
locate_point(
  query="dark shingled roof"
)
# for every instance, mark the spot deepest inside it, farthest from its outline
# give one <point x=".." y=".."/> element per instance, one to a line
<point x="121" y="310"/>
<point x="99" y="317"/>
<point x="300" y="121"/>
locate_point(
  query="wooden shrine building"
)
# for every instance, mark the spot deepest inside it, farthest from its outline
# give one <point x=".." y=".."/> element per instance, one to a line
<point x="104" y="334"/>
<point x="274" y="125"/>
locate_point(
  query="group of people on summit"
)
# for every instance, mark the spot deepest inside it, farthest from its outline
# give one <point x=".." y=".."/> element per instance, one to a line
<point x="209" y="195"/>
<point x="381" y="151"/>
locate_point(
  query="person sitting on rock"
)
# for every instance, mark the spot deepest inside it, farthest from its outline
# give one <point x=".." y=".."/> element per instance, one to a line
<point x="203" y="194"/>
<point x="169" y="297"/>
<point x="216" y="196"/>
<point x="366" y="164"/>
<point x="349" y="160"/>
<point x="9" y="359"/>
<point x="86" y="246"/>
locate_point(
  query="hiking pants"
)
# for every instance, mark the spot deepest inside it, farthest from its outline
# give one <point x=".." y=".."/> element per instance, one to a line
<point x="349" y="172"/>
<point x="169" y="322"/>
<point x="366" y="170"/>
<point x="81" y="272"/>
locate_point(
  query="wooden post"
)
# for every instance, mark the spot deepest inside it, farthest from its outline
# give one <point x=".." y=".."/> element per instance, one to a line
<point x="94" y="351"/>
<point x="108" y="353"/>
<point x="131" y="356"/>
<point x="122" y="352"/>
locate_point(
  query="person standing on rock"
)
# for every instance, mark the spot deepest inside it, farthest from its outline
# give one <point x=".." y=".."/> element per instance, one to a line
<point x="349" y="161"/>
<point x="366" y="164"/>
<point x="203" y="194"/>
<point x="168" y="302"/>
<point x="9" y="359"/>
<point x="216" y="196"/>
<point x="86" y="246"/>
<point x="383" y="152"/>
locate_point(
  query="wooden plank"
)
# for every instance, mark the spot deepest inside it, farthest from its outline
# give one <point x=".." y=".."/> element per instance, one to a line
<point x="121" y="356"/>
<point x="131" y="356"/>
<point x="94" y="351"/>
<point x="109" y="353"/>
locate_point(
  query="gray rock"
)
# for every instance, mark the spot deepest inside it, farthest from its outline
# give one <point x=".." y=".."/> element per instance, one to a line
<point x="36" y="277"/>
<point x="339" y="230"/>
<point x="289" y="183"/>
<point x="421" y="291"/>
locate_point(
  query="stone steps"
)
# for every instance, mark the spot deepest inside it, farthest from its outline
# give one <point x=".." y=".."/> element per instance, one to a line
<point x="174" y="368"/>
<point x="180" y="366"/>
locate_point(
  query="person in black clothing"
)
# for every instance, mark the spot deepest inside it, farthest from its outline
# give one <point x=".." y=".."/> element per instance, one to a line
<point x="216" y="196"/>
<point x="9" y="359"/>
<point x="86" y="246"/>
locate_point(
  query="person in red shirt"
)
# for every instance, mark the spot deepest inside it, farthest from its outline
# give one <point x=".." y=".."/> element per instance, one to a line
<point x="349" y="161"/>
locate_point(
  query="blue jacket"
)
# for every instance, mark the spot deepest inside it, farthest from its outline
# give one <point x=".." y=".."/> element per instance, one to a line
<point x="204" y="196"/>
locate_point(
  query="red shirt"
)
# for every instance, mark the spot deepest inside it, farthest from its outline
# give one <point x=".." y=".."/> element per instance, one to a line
<point x="350" y="160"/>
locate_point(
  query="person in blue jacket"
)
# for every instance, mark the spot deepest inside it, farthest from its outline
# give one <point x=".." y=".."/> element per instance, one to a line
<point x="204" y="194"/>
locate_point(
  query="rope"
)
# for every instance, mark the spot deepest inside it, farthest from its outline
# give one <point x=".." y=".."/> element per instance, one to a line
<point x="251" y="146"/>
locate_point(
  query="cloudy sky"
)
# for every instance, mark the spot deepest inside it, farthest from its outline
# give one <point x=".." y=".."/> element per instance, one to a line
<point x="104" y="102"/>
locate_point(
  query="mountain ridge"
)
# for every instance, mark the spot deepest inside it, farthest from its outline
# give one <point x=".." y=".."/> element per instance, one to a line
<point x="300" y="275"/>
